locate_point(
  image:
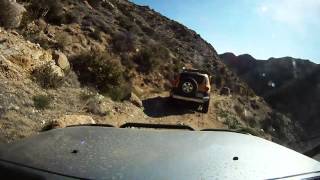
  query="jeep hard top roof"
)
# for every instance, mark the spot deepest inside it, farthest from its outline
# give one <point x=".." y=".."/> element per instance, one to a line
<point x="195" y="71"/>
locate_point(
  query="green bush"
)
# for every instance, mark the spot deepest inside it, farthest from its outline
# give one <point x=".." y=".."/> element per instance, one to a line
<point x="119" y="93"/>
<point x="149" y="59"/>
<point x="104" y="72"/>
<point x="41" y="101"/>
<point x="232" y="122"/>
<point x="229" y="119"/>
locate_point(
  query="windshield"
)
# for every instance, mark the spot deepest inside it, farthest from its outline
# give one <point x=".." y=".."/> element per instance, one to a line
<point x="248" y="66"/>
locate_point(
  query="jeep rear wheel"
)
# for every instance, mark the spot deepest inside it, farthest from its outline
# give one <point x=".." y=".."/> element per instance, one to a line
<point x="188" y="86"/>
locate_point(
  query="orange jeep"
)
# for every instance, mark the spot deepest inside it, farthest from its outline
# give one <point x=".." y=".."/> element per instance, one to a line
<point x="193" y="86"/>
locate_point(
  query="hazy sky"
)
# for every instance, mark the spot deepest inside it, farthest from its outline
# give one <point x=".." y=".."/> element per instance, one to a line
<point x="262" y="28"/>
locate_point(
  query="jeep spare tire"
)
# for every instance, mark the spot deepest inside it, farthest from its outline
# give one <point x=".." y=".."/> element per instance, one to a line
<point x="188" y="86"/>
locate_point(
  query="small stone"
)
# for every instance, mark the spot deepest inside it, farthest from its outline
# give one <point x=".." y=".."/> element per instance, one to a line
<point x="71" y="120"/>
<point x="13" y="107"/>
<point x="96" y="105"/>
<point x="15" y="33"/>
<point x="134" y="99"/>
<point x="61" y="60"/>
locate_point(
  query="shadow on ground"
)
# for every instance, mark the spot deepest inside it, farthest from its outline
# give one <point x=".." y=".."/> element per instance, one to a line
<point x="163" y="106"/>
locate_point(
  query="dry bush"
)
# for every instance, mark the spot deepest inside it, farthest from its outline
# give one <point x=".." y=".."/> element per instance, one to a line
<point x="63" y="39"/>
<point x="123" y="42"/>
<point x="41" y="101"/>
<point x="151" y="58"/>
<point x="145" y="60"/>
<point x="52" y="11"/>
<point x="11" y="14"/>
<point x="49" y="76"/>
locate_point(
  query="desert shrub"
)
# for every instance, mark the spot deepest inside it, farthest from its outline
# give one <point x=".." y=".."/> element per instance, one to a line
<point x="84" y="96"/>
<point x="49" y="76"/>
<point x="63" y="40"/>
<point x="123" y="42"/>
<point x="219" y="81"/>
<point x="41" y="101"/>
<point x="239" y="110"/>
<point x="119" y="93"/>
<point x="125" y="22"/>
<point x="102" y="71"/>
<point x="96" y="35"/>
<point x="127" y="61"/>
<point x="95" y="3"/>
<point x="229" y="119"/>
<point x="145" y="60"/>
<point x="180" y="30"/>
<point x="252" y="122"/>
<point x="177" y="65"/>
<point x="150" y="58"/>
<point x="44" y="42"/>
<point x="232" y="122"/>
<point x="101" y="24"/>
<point x="148" y="31"/>
<point x="72" y="17"/>
<point x="11" y="14"/>
<point x="129" y="24"/>
<point x="52" y="11"/>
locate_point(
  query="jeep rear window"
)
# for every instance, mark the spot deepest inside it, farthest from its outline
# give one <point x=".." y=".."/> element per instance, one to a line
<point x="199" y="78"/>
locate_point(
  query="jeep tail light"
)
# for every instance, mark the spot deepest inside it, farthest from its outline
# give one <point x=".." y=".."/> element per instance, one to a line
<point x="175" y="81"/>
<point x="204" y="88"/>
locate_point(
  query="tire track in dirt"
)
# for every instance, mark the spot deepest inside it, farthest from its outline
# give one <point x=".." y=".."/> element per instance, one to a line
<point x="159" y="109"/>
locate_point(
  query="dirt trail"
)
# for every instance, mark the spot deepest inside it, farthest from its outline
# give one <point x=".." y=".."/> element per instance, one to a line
<point x="157" y="109"/>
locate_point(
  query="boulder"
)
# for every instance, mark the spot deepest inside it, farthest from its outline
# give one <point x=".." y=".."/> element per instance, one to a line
<point x="96" y="105"/>
<point x="61" y="60"/>
<point x="71" y="120"/>
<point x="134" y="99"/>
<point x="225" y="91"/>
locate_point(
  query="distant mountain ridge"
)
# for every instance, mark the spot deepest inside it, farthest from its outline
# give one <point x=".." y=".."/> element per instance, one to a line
<point x="289" y="85"/>
<point x="264" y="76"/>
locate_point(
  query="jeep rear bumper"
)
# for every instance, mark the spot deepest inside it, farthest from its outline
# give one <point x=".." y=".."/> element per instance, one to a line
<point x="198" y="100"/>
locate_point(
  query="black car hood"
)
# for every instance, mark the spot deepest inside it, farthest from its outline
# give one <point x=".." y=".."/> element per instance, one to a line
<point x="112" y="153"/>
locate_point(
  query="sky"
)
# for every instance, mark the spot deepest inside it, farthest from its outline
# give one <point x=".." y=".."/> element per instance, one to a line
<point x="262" y="28"/>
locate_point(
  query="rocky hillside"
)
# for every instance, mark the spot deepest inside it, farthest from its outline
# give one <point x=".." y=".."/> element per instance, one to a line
<point x="264" y="76"/>
<point x="300" y="98"/>
<point x="109" y="62"/>
<point x="290" y="85"/>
